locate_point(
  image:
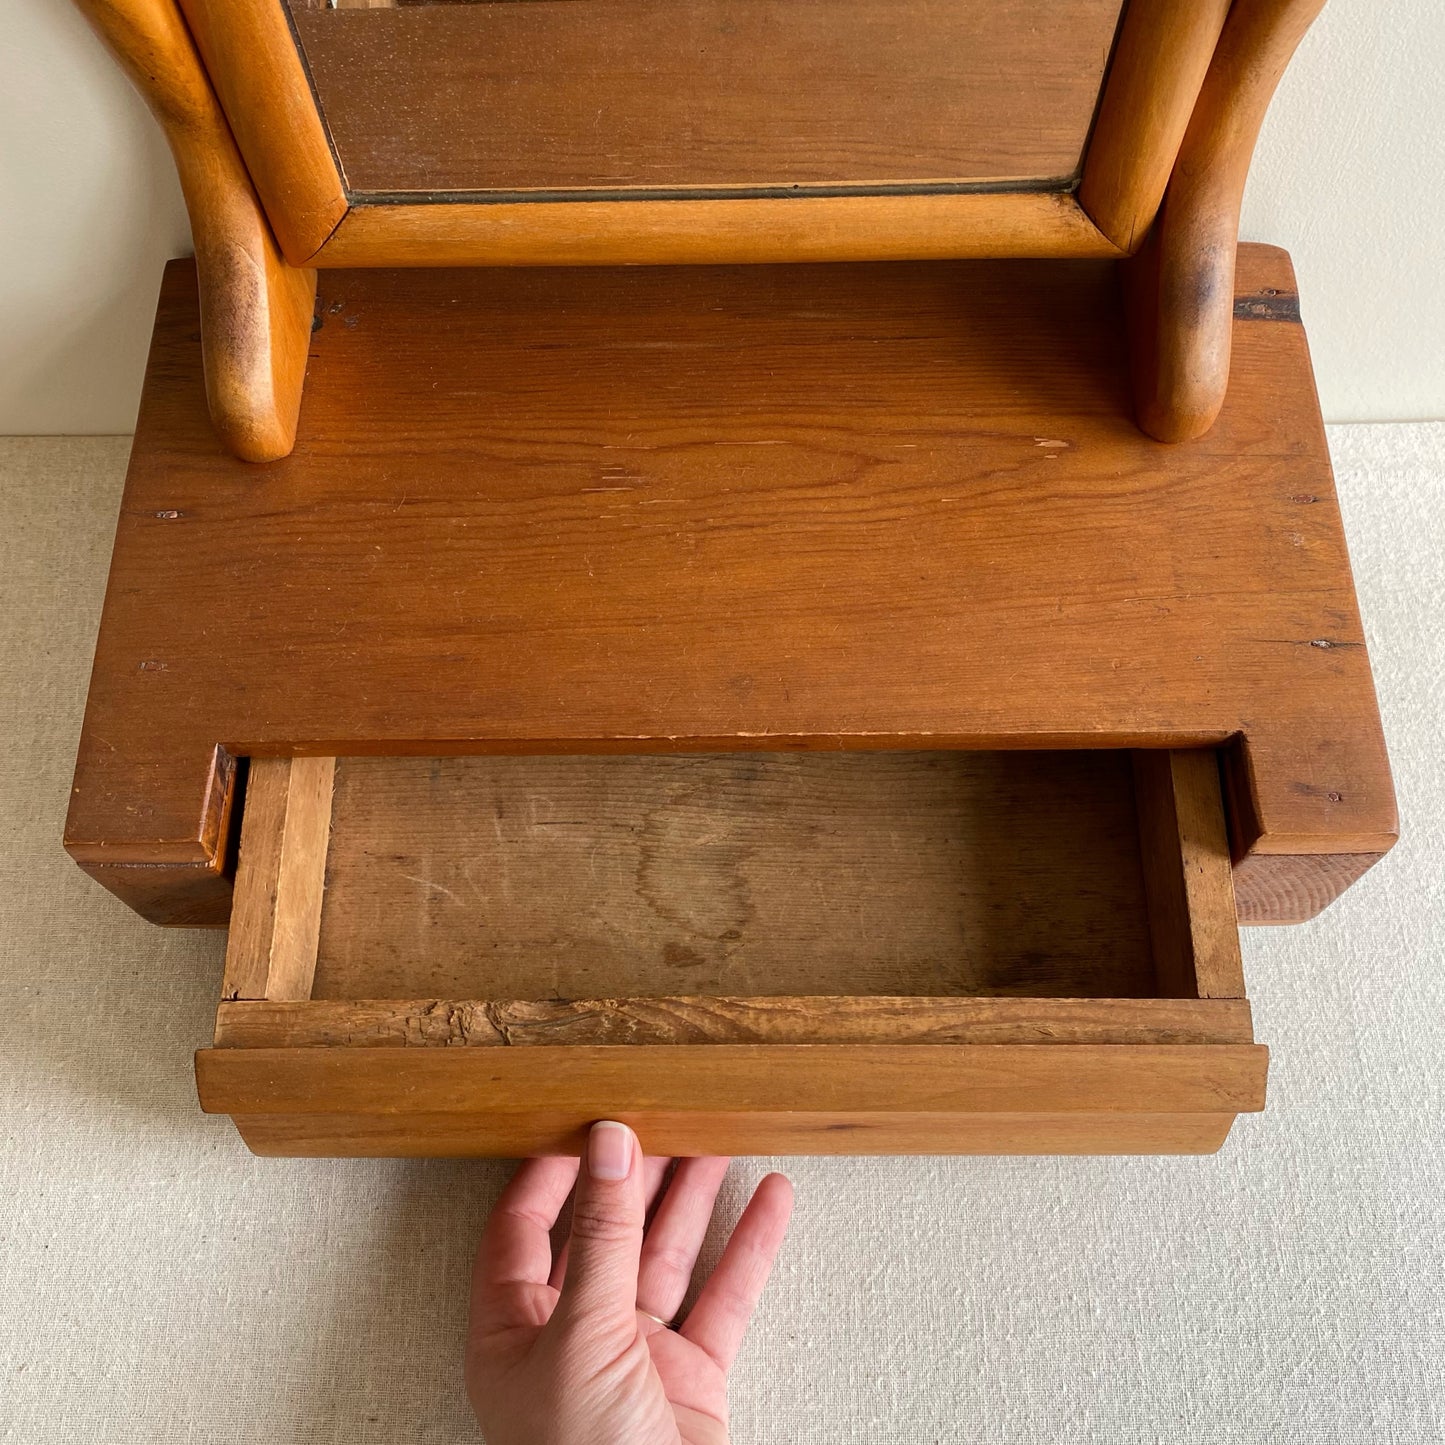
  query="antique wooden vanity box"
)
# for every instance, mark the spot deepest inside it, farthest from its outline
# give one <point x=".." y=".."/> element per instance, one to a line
<point x="792" y="707"/>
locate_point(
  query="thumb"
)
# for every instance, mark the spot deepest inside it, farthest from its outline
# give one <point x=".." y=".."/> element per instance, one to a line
<point x="600" y="1288"/>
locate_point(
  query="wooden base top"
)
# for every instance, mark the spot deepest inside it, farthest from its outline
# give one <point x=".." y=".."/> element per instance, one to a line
<point x="887" y="506"/>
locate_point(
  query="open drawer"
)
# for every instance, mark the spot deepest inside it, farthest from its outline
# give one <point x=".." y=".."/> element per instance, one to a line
<point x="851" y="952"/>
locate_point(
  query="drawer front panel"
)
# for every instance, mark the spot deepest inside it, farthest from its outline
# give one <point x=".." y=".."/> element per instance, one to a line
<point x="808" y="1078"/>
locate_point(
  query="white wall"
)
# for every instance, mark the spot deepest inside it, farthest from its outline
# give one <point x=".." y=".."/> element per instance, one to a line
<point x="89" y="210"/>
<point x="1350" y="176"/>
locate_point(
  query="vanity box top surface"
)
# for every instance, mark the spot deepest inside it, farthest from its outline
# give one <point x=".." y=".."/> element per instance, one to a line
<point x="717" y="509"/>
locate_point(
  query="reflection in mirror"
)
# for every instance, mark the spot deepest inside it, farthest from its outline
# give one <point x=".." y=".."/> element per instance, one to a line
<point x="452" y="98"/>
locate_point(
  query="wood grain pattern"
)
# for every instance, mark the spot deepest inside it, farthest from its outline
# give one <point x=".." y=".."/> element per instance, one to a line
<point x="259" y="880"/>
<point x="722" y="509"/>
<point x="1182" y="285"/>
<point x="840" y="1079"/>
<point x="1159" y="64"/>
<point x="254" y="64"/>
<point x="1295" y="889"/>
<point x="1185" y="852"/>
<point x="528" y="1023"/>
<point x="555" y="96"/>
<point x="255" y="309"/>
<point x="804" y="227"/>
<point x="271" y="952"/>
<point x="746" y="874"/>
<point x="470" y="1136"/>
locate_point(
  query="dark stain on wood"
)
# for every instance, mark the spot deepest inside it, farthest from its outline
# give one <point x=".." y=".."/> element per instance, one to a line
<point x="1267" y="305"/>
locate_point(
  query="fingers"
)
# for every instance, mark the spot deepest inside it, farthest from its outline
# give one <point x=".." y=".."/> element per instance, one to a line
<point x="516" y="1245"/>
<point x="654" y="1171"/>
<point x="725" y="1306"/>
<point x="654" y="1168"/>
<point x="600" y="1287"/>
<point x="676" y="1234"/>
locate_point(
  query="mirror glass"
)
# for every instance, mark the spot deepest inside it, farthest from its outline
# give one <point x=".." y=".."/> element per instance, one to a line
<point x="556" y="99"/>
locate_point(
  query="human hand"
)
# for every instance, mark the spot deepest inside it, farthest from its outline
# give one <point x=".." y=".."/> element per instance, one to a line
<point x="573" y="1351"/>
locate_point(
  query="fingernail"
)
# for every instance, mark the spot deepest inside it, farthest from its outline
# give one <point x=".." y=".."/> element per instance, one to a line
<point x="609" y="1150"/>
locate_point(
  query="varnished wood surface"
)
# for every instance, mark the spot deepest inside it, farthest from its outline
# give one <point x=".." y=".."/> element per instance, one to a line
<point x="1159" y="64"/>
<point x="804" y="227"/>
<point x="737" y="1098"/>
<point x="255" y="309"/>
<point x="1184" y="280"/>
<point x="840" y="1079"/>
<point x="430" y="1023"/>
<point x="255" y="66"/>
<point x="872" y="506"/>
<point x="470" y="1136"/>
<point x="617" y="94"/>
<point x="746" y="874"/>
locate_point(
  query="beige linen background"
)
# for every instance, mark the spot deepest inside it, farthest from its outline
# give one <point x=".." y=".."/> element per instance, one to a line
<point x="158" y="1284"/>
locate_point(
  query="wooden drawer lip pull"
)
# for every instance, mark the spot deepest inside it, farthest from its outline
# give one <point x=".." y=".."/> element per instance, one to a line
<point x="707" y="1020"/>
<point x="854" y="1079"/>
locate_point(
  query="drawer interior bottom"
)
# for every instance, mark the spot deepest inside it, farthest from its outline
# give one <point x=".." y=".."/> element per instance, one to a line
<point x="738" y="874"/>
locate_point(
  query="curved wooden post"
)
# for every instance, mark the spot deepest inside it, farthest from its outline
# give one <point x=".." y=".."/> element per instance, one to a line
<point x="1181" y="285"/>
<point x="1160" y="60"/>
<point x="255" y="308"/>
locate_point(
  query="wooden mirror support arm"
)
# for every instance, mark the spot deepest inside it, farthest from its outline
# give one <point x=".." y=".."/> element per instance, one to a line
<point x="256" y="309"/>
<point x="1180" y="286"/>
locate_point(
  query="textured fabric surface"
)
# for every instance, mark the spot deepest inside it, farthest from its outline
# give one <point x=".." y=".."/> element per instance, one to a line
<point x="159" y="1284"/>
